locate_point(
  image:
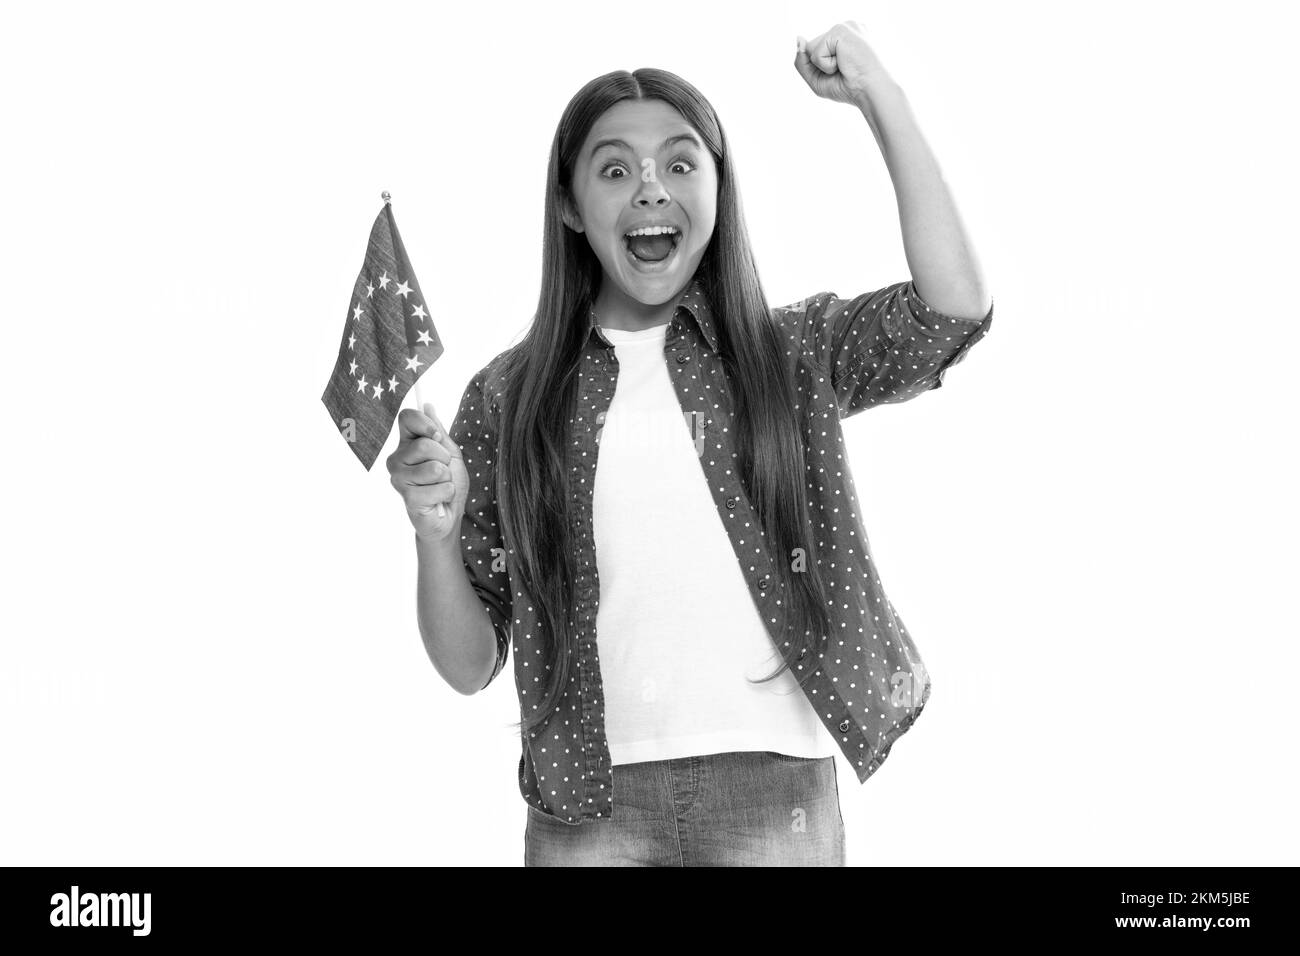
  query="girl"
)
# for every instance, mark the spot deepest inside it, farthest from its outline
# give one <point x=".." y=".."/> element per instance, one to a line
<point x="649" y="499"/>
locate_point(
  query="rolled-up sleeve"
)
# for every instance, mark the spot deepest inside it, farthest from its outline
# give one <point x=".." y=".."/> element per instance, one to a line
<point x="482" y="548"/>
<point x="883" y="346"/>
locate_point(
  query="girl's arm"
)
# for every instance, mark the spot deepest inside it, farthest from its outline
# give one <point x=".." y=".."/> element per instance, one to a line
<point x="481" y="547"/>
<point x="458" y="637"/>
<point x="839" y="65"/>
<point x="463" y="590"/>
<point x="939" y="254"/>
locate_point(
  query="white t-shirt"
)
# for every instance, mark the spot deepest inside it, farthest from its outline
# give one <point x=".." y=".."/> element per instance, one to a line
<point x="677" y="630"/>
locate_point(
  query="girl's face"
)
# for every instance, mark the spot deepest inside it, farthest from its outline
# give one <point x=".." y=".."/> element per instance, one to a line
<point x="643" y="163"/>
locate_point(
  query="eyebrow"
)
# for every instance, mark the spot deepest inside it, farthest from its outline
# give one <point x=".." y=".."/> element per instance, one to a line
<point x="688" y="137"/>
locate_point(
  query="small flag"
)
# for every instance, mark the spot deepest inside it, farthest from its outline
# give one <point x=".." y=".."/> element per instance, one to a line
<point x="388" y="341"/>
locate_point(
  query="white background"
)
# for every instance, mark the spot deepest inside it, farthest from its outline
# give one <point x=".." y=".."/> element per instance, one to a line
<point x="210" y="653"/>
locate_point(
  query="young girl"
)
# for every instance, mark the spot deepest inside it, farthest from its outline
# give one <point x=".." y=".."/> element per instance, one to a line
<point x="649" y="496"/>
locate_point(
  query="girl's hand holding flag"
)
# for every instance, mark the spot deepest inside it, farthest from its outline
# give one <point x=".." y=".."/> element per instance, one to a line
<point x="427" y="470"/>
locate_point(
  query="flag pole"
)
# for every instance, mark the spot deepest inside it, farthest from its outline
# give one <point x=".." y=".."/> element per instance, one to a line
<point x="419" y="395"/>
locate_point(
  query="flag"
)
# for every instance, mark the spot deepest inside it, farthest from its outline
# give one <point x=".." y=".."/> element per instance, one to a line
<point x="388" y="341"/>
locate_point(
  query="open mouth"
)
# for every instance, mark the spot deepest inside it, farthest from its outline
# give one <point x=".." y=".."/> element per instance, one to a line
<point x="649" y="249"/>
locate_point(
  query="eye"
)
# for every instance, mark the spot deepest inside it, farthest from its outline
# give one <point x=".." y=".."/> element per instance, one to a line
<point x="689" y="167"/>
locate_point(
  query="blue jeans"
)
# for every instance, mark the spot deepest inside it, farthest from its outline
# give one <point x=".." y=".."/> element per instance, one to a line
<point x="747" y="808"/>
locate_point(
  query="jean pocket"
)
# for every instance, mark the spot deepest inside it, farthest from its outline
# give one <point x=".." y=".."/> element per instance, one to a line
<point x="835" y="787"/>
<point x="542" y="818"/>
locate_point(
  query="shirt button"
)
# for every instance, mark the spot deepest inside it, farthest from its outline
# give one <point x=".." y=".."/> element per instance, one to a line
<point x="731" y="504"/>
<point x="683" y="358"/>
<point x="762" y="584"/>
<point x="844" y="726"/>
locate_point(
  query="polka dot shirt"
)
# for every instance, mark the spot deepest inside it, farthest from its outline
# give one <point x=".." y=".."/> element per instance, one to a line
<point x="870" y="684"/>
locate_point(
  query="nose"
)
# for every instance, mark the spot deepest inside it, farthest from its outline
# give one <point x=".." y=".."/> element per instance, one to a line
<point x="652" y="193"/>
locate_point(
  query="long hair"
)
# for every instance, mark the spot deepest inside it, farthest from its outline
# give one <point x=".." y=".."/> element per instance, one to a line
<point x="539" y="382"/>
